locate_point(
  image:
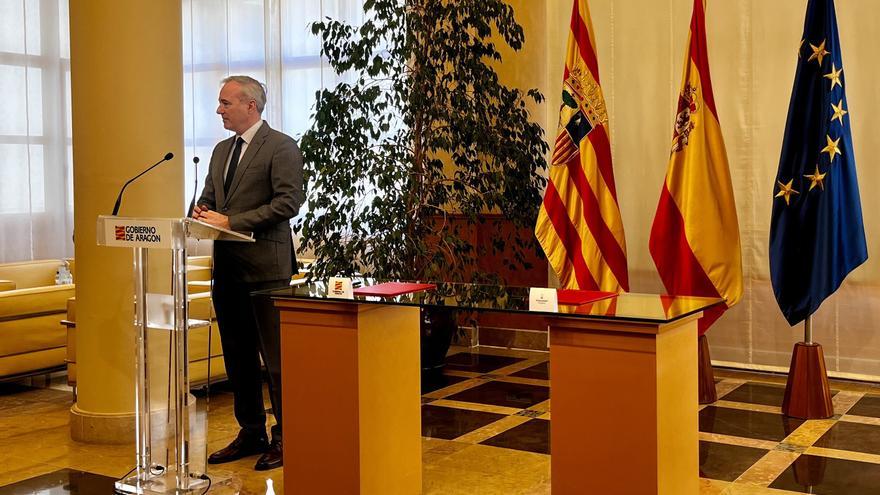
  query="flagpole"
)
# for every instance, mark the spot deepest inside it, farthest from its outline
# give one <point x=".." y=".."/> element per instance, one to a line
<point x="808" y="330"/>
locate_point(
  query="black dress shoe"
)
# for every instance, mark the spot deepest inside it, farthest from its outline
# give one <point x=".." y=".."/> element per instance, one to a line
<point x="243" y="446"/>
<point x="272" y="459"/>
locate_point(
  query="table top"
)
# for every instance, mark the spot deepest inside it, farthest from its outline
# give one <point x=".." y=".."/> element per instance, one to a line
<point x="648" y="308"/>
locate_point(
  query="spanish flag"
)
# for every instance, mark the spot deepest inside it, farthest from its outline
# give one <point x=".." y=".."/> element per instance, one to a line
<point x="579" y="225"/>
<point x="695" y="236"/>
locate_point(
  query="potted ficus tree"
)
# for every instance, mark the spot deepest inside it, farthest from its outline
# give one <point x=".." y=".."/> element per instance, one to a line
<point x="406" y="159"/>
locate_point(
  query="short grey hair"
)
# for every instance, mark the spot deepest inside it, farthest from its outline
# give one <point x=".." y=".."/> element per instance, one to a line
<point x="252" y="89"/>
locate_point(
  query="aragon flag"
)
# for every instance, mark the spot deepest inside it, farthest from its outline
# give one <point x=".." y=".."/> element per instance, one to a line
<point x="816" y="232"/>
<point x="579" y="225"/>
<point x="695" y="236"/>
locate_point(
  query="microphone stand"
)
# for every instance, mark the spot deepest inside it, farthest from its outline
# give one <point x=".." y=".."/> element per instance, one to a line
<point x="167" y="157"/>
<point x="192" y="204"/>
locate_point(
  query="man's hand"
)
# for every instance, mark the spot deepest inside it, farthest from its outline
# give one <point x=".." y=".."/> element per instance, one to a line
<point x="203" y="214"/>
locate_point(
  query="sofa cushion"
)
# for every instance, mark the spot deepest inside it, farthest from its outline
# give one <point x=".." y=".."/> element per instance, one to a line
<point x="198" y="371"/>
<point x="24" y="303"/>
<point x="200" y="307"/>
<point x="204" y="261"/>
<point x="32" y="361"/>
<point x="30" y="319"/>
<point x="35" y="273"/>
<point x="32" y="334"/>
<point x="198" y="343"/>
<point x="199" y="287"/>
<point x="198" y="273"/>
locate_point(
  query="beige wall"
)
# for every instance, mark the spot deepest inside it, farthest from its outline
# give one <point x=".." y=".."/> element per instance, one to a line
<point x="752" y="53"/>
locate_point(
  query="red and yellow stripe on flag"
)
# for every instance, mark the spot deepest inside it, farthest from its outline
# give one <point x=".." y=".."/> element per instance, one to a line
<point x="695" y="236"/>
<point x="579" y="225"/>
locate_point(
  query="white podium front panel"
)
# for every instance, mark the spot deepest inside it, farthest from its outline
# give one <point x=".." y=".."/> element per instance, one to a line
<point x="160" y="233"/>
<point x="150" y="233"/>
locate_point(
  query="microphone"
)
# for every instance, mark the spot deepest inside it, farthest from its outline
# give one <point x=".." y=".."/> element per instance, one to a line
<point x="167" y="157"/>
<point x="192" y="204"/>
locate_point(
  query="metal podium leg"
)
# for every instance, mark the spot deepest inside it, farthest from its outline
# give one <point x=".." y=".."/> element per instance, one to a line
<point x="142" y="375"/>
<point x="181" y="367"/>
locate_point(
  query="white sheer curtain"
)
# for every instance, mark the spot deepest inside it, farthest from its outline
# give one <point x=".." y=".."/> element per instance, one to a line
<point x="752" y="54"/>
<point x="270" y="40"/>
<point x="36" y="179"/>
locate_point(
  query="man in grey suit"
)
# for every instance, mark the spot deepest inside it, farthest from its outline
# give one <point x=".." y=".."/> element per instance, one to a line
<point x="254" y="184"/>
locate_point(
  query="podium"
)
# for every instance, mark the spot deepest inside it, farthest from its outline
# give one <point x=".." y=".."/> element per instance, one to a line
<point x="141" y="235"/>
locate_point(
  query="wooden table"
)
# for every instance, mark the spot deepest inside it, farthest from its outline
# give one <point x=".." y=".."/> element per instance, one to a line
<point x="624" y="407"/>
<point x="351" y="398"/>
<point x="623" y="388"/>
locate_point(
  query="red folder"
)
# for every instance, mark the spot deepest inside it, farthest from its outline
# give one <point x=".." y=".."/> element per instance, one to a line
<point x="389" y="289"/>
<point x="573" y="297"/>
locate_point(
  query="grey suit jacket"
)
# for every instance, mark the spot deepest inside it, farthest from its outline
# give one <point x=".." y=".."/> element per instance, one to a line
<point x="266" y="192"/>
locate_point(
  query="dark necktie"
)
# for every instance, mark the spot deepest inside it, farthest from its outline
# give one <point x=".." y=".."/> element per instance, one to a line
<point x="233" y="164"/>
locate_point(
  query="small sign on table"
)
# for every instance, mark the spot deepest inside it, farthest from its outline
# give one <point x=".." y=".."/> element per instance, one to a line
<point x="541" y="299"/>
<point x="340" y="288"/>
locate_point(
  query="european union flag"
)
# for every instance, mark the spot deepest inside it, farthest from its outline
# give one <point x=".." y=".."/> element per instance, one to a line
<point x="816" y="233"/>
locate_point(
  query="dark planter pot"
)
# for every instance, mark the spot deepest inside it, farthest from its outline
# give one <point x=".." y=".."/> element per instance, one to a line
<point x="438" y="325"/>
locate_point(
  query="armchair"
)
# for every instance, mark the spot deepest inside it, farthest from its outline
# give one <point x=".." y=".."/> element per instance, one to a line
<point x="32" y="340"/>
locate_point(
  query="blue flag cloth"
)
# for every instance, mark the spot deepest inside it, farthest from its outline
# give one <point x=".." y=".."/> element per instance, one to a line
<point x="816" y="234"/>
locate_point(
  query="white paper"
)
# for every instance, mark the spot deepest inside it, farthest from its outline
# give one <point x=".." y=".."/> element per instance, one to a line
<point x="160" y="310"/>
<point x="541" y="299"/>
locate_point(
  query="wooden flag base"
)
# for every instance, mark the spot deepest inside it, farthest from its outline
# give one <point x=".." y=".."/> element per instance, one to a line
<point x="807" y="394"/>
<point x="706" y="380"/>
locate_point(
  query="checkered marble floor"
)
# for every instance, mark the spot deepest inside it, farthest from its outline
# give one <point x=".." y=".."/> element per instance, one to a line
<point x="486" y="422"/>
<point x="499" y="398"/>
